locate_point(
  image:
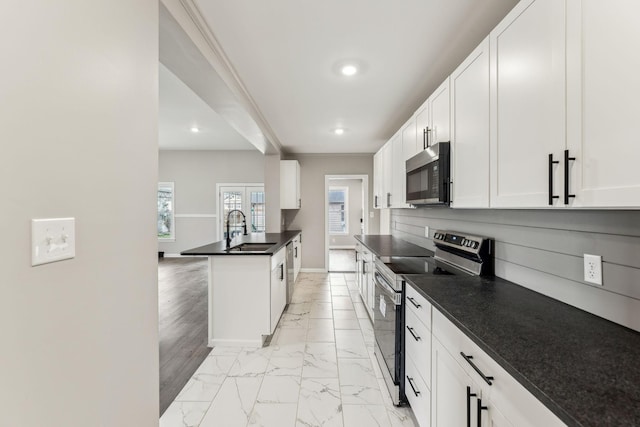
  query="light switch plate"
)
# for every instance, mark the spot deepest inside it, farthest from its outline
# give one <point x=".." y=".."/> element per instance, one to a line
<point x="52" y="239"/>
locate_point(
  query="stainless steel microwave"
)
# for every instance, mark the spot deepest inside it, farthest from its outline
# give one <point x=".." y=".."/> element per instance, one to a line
<point x="428" y="176"/>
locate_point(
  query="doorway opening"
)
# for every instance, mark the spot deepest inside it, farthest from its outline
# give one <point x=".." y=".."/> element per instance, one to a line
<point x="346" y="215"/>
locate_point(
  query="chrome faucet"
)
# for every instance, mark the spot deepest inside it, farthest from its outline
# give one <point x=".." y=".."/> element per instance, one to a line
<point x="244" y="225"/>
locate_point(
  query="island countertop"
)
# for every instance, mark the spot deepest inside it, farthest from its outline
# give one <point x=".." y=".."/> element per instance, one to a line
<point x="219" y="248"/>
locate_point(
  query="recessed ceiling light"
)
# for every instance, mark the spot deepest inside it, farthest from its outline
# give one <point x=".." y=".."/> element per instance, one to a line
<point x="338" y="131"/>
<point x="349" y="70"/>
<point x="195" y="129"/>
<point x="349" y="67"/>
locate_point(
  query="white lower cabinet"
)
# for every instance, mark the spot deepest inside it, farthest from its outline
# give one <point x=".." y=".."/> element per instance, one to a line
<point x="369" y="285"/>
<point x="364" y="277"/>
<point x="297" y="256"/>
<point x="452" y="391"/>
<point x="418" y="394"/>
<point x="417" y="334"/>
<point x="278" y="287"/>
<point x="468" y="384"/>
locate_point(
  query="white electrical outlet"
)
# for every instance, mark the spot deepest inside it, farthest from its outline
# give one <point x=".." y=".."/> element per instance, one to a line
<point x="593" y="269"/>
<point x="426" y="231"/>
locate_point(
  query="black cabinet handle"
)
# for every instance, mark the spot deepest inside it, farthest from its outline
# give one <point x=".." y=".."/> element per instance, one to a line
<point x="480" y="409"/>
<point x="375" y="201"/>
<point x="566" y="177"/>
<point x="428" y="131"/>
<point x="295" y="255"/>
<point x="469" y="396"/>
<point x="415" y="391"/>
<point x="413" y="301"/>
<point x="424" y="138"/>
<point x="388" y="199"/>
<point x="475" y="368"/>
<point x="415" y="337"/>
<point x="551" y="163"/>
<point x="281" y="271"/>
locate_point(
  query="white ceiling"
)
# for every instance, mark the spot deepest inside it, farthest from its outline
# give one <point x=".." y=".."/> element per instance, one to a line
<point x="285" y="52"/>
<point x="180" y="109"/>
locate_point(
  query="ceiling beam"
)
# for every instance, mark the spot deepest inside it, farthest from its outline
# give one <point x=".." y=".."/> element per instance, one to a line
<point x="189" y="49"/>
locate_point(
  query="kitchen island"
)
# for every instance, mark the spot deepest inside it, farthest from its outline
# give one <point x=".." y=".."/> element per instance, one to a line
<point x="247" y="287"/>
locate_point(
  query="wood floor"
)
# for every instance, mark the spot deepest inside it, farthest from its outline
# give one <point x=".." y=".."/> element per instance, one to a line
<point x="182" y="308"/>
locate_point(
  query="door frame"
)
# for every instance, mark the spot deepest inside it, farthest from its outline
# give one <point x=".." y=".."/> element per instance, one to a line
<point x="219" y="200"/>
<point x="365" y="208"/>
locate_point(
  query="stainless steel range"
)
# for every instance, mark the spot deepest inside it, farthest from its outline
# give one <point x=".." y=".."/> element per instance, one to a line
<point x="455" y="254"/>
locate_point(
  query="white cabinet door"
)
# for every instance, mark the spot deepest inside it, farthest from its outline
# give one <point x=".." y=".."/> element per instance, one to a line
<point x="527" y="103"/>
<point x="450" y="402"/>
<point x="397" y="172"/>
<point x="603" y="102"/>
<point x="410" y="143"/>
<point x="297" y="257"/>
<point x="470" y="130"/>
<point x="423" y="126"/>
<point x="387" y="174"/>
<point x="439" y="107"/>
<point x="278" y="294"/>
<point x="290" y="184"/>
<point x="377" y="180"/>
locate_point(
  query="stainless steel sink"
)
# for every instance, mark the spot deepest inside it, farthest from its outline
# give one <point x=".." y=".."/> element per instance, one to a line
<point x="252" y="247"/>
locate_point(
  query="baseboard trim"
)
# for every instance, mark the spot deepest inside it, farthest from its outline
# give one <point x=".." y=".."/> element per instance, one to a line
<point x="313" y="270"/>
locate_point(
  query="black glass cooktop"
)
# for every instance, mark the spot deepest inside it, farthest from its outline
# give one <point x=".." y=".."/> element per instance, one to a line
<point x="420" y="265"/>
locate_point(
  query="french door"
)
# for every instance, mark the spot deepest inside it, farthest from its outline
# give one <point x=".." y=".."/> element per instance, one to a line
<point x="249" y="199"/>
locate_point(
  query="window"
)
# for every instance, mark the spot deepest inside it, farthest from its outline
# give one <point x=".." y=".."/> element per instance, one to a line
<point x="166" y="207"/>
<point x="250" y="199"/>
<point x="338" y="212"/>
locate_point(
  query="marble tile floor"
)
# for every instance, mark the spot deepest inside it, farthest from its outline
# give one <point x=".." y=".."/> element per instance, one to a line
<point x="319" y="370"/>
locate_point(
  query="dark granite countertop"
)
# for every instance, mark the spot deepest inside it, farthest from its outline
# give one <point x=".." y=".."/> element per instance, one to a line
<point x="584" y="368"/>
<point x="385" y="245"/>
<point x="219" y="248"/>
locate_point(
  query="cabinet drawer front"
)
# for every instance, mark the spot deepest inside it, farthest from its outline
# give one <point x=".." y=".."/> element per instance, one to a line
<point x="418" y="345"/>
<point x="419" y="305"/>
<point x="418" y="394"/>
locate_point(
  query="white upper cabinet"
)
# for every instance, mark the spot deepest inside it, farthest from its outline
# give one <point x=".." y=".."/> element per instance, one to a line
<point x="378" y="173"/>
<point x="603" y="122"/>
<point x="439" y="109"/>
<point x="470" y="130"/>
<point x="527" y="104"/>
<point x="423" y="126"/>
<point x="290" y="184"/>
<point x="432" y="118"/>
<point x="411" y="145"/>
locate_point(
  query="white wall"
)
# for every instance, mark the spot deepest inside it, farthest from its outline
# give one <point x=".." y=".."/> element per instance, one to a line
<point x="78" y="130"/>
<point x="311" y="217"/>
<point x="354" y="212"/>
<point x="195" y="174"/>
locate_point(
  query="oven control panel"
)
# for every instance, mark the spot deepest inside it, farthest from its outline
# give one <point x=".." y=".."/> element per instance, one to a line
<point x="463" y="248"/>
<point x="463" y="242"/>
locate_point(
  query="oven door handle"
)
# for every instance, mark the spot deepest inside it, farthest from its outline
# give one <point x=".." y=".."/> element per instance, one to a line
<point x="387" y="288"/>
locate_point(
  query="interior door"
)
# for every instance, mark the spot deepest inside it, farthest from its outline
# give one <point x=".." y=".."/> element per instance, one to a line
<point x="248" y="199"/>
